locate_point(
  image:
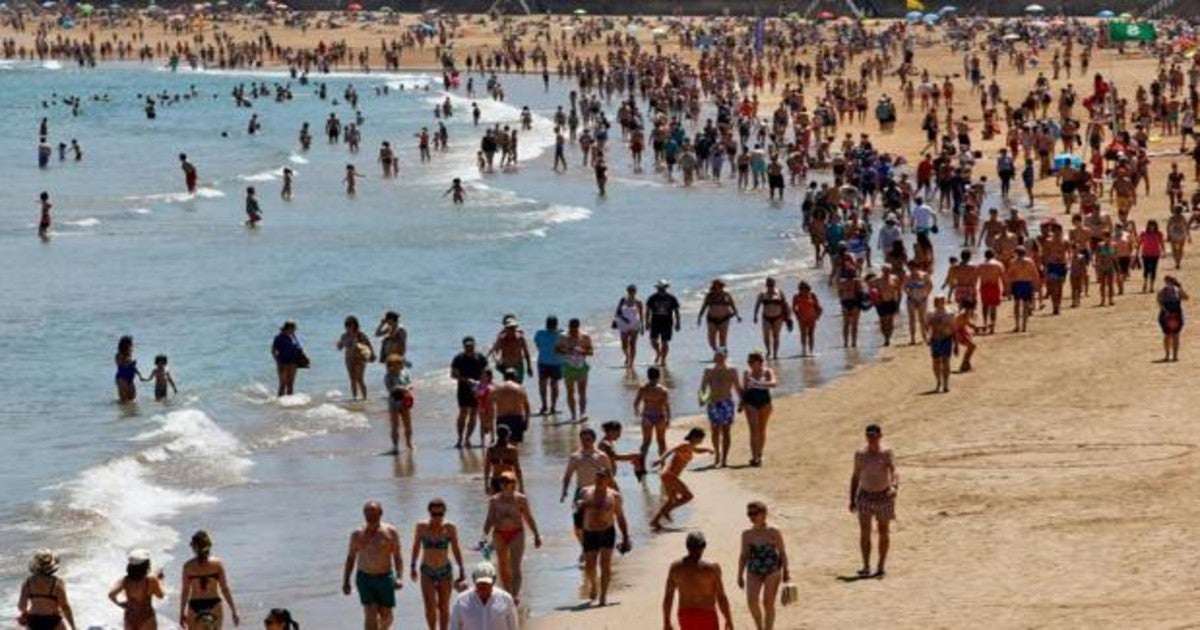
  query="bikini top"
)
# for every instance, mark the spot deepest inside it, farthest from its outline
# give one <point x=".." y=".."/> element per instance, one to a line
<point x="53" y="594"/>
<point x="430" y="542"/>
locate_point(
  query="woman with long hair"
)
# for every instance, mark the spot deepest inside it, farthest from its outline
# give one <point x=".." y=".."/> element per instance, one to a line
<point x="140" y="589"/>
<point x="204" y="588"/>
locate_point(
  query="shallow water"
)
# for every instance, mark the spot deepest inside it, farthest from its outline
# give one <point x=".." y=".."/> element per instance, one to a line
<point x="280" y="482"/>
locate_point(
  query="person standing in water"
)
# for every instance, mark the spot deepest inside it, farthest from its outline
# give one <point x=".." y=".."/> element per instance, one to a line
<point x="351" y="181"/>
<point x="376" y="553"/>
<point x="773" y="305"/>
<point x="140" y="589"/>
<point x="127" y="370"/>
<point x="285" y="193"/>
<point x="253" y="211"/>
<point x="549" y="365"/>
<point x="44" y="221"/>
<point x="433" y="543"/>
<point x="467" y="368"/>
<point x="653" y="405"/>
<point x="757" y="383"/>
<point x="400" y="400"/>
<point x="356" y="346"/>
<point x="43" y="603"/>
<point x="720" y="308"/>
<point x="663" y="312"/>
<point x="575" y="347"/>
<point x="873" y="487"/>
<point x="204" y="587"/>
<point x="189" y="173"/>
<point x="700" y="589"/>
<point x="459" y="194"/>
<point x="289" y="356"/>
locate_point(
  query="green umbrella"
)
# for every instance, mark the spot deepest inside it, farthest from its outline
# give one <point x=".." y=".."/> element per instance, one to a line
<point x="86" y="9"/>
<point x="222" y="3"/>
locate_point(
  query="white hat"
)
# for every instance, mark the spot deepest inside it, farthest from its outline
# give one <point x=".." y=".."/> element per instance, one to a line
<point x="483" y="573"/>
<point x="139" y="556"/>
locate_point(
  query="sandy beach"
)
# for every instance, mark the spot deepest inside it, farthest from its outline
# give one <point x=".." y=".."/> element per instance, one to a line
<point x="1048" y="489"/>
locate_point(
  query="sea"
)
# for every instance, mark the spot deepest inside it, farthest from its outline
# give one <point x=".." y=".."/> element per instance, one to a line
<point x="280" y="481"/>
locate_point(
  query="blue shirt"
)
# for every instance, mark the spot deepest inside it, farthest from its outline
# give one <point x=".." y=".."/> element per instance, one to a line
<point x="546" y="341"/>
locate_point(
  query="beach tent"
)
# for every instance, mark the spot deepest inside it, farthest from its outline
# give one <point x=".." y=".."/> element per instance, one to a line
<point x="1035" y="8"/>
<point x="1105" y="14"/>
<point x="913" y="16"/>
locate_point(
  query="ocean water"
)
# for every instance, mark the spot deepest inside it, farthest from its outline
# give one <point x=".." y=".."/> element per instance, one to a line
<point x="280" y="482"/>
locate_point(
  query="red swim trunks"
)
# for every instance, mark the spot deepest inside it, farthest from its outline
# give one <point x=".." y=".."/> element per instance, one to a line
<point x="989" y="293"/>
<point x="698" y="619"/>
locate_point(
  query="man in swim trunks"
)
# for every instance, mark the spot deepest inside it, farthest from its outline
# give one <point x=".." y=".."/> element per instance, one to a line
<point x="716" y="391"/>
<point x="663" y="310"/>
<point x="583" y="465"/>
<point x="700" y="590"/>
<point x="887" y="287"/>
<point x="602" y="515"/>
<point x="467" y="368"/>
<point x="1023" y="277"/>
<point x="940" y="331"/>
<point x="375" y="550"/>
<point x="991" y="288"/>
<point x="873" y="487"/>
<point x="511" y="406"/>
<point x="189" y="173"/>
<point x="549" y="365"/>
<point x="963" y="278"/>
<point x="1055" y="254"/>
<point x="511" y="350"/>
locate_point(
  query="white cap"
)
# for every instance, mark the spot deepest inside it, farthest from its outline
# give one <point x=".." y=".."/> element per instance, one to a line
<point x="483" y="573"/>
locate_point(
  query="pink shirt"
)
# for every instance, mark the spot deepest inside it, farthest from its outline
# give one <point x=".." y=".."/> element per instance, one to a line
<point x="1152" y="243"/>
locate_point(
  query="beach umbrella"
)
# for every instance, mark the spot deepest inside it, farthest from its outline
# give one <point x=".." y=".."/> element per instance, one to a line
<point x="1105" y="14"/>
<point x="913" y="16"/>
<point x="86" y="9"/>
<point x="1035" y="8"/>
<point x="49" y="4"/>
<point x="580" y="11"/>
<point x="931" y="18"/>
<point x="1011" y="37"/>
<point x="354" y="7"/>
<point x="1125" y="16"/>
<point x="825" y="15"/>
<point x="948" y="9"/>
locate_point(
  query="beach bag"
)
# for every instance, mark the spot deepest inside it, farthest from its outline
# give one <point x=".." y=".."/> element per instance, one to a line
<point x="302" y="361"/>
<point x="789" y="594"/>
<point x="364" y="351"/>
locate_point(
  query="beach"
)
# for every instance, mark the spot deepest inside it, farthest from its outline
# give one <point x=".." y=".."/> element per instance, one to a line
<point x="1046" y="489"/>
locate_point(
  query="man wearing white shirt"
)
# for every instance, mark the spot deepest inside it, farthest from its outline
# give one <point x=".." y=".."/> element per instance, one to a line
<point x="485" y="607"/>
<point x="923" y="218"/>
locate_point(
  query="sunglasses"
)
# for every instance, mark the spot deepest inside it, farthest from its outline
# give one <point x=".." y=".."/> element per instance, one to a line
<point x="753" y="513"/>
<point x="437" y="514"/>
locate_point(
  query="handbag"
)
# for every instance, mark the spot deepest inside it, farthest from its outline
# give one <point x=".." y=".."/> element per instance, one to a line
<point x="302" y="361"/>
<point x="789" y="594"/>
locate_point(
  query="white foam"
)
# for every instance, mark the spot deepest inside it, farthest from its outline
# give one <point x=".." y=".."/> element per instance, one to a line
<point x="264" y="176"/>
<point x="178" y="197"/>
<point x="52" y="65"/>
<point x="192" y="433"/>
<point x="296" y="158"/>
<point x="557" y="214"/>
<point x="140" y="211"/>
<point x="293" y="401"/>
<point x="85" y="222"/>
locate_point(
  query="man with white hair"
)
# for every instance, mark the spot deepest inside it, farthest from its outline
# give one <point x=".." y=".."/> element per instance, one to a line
<point x="486" y="606"/>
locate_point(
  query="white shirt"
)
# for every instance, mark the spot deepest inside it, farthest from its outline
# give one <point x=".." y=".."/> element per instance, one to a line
<point x="468" y="612"/>
<point x="922" y="216"/>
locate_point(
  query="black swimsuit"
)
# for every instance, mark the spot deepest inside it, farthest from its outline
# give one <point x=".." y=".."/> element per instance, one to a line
<point x="44" y="621"/>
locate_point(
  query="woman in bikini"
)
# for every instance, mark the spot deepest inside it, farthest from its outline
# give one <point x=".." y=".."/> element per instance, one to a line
<point x="775" y="313"/>
<point x="628" y="322"/>
<point x="719" y="308"/>
<point x="204" y="588"/>
<point x="675" y="493"/>
<point x="1178" y="234"/>
<point x="356" y="346"/>
<point x="807" y="309"/>
<point x="43" y="602"/>
<point x="917" y="287"/>
<point x="433" y="542"/>
<point x="140" y="590"/>
<point x="757" y="382"/>
<point x="762" y="566"/>
<point x="508" y="515"/>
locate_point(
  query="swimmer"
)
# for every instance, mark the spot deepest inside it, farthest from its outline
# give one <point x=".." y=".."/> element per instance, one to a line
<point x="351" y="181"/>
<point x="44" y="222"/>
<point x="285" y="193"/>
<point x="456" y="189"/>
<point x="253" y="212"/>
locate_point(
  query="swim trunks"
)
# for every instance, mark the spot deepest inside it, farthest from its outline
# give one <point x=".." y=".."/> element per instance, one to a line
<point x="597" y="540"/>
<point x="552" y="372"/>
<point x="574" y="373"/>
<point x="1022" y="290"/>
<point x="941" y="348"/>
<point x="881" y="504"/>
<point x="887" y="307"/>
<point x="661" y="328"/>
<point x="698" y="619"/>
<point x="376" y="590"/>
<point x="652" y="418"/>
<point x="989" y="293"/>
<point x="1056" y="272"/>
<point x="720" y="412"/>
<point x="516" y="426"/>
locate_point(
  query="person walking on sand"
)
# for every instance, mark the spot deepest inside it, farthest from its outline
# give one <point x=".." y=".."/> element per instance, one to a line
<point x="717" y="387"/>
<point x="675" y="493"/>
<point x="762" y="566"/>
<point x="940" y="331"/>
<point x="720" y="308"/>
<point x="375" y="552"/>
<point x="603" y="514"/>
<point x="43" y="603"/>
<point x="917" y="287"/>
<point x="1170" y="316"/>
<point x="807" y="309"/>
<point x="484" y="607"/>
<point x="507" y="516"/>
<point x="964" y="337"/>
<point x="433" y="543"/>
<point x="663" y="312"/>
<point x="583" y="465"/>
<point x="653" y="405"/>
<point x="511" y="406"/>
<point x="400" y="400"/>
<point x="355" y="345"/>
<point x="873" y="487"/>
<point x="1023" y="279"/>
<point x="501" y="457"/>
<point x="140" y="589"/>
<point x="757" y="382"/>
<point x="575" y="347"/>
<point x="204" y="587"/>
<point x="466" y="369"/>
<point x="700" y="590"/>
<point x="549" y="365"/>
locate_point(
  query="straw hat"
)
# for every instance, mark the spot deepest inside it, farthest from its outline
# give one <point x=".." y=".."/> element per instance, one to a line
<point x="44" y="563"/>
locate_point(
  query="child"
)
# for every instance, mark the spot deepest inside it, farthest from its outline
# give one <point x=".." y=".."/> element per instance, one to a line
<point x="162" y="378"/>
<point x="253" y="212"/>
<point x="400" y="401"/>
<point x="351" y="180"/>
<point x="456" y="188"/>
<point x="675" y="492"/>
<point x="1078" y="275"/>
<point x="286" y="192"/>
<point x="483" y="402"/>
<point x="608" y="446"/>
<point x="653" y="405"/>
<point x="480" y="161"/>
<point x="964" y="333"/>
